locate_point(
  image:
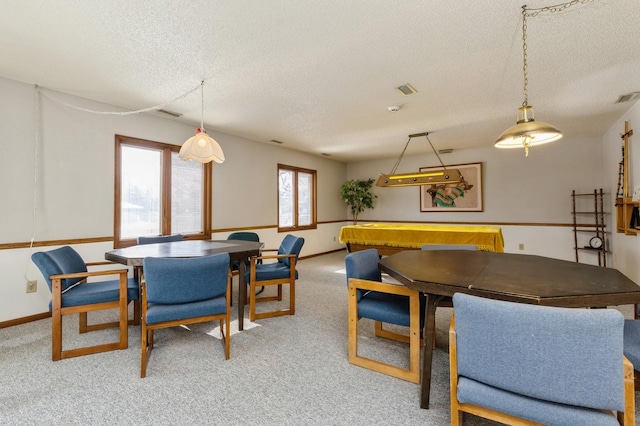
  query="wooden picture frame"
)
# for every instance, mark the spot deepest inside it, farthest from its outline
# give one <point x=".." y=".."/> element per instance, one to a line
<point x="454" y="197"/>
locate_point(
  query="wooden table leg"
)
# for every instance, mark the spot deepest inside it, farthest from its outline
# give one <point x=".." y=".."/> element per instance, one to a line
<point x="429" y="337"/>
<point x="242" y="292"/>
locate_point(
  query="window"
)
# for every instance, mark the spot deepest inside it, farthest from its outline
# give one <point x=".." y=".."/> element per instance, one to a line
<point x="156" y="193"/>
<point x="296" y="198"/>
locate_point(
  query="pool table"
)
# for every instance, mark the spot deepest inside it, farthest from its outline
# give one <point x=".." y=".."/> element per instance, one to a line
<point x="390" y="238"/>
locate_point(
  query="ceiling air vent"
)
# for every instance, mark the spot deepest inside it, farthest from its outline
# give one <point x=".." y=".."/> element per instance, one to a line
<point x="171" y="113"/>
<point x="406" y="89"/>
<point x="628" y="97"/>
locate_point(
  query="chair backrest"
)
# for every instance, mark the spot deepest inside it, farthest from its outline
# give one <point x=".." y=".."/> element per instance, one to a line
<point x="290" y="245"/>
<point x="182" y="280"/>
<point x="426" y="247"/>
<point x="566" y="355"/>
<point x="160" y="239"/>
<point x="244" y="236"/>
<point x="632" y="343"/>
<point x="363" y="264"/>
<point x="63" y="260"/>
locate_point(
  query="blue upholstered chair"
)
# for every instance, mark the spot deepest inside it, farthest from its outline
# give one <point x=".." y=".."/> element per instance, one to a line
<point x="160" y="239"/>
<point x="235" y="265"/>
<point x="632" y="346"/>
<point x="382" y="302"/>
<point x="180" y="291"/>
<point x="155" y="239"/>
<point x="513" y="362"/>
<point x="66" y="274"/>
<point x="242" y="236"/>
<point x="274" y="269"/>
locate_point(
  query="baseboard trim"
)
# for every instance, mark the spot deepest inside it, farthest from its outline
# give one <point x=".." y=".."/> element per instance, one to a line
<point x="320" y="254"/>
<point x="25" y="320"/>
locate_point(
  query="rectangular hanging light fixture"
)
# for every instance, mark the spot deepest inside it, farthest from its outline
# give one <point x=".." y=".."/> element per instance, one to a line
<point x="440" y="177"/>
<point x="427" y="178"/>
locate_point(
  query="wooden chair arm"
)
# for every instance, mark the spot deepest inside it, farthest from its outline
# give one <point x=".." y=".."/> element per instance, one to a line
<point x="90" y="274"/>
<point x="255" y="259"/>
<point x="56" y="284"/>
<point x="100" y="263"/>
<point x="268" y="250"/>
<point x="356" y="283"/>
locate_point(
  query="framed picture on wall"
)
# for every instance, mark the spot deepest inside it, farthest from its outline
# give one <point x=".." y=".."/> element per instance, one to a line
<point x="464" y="196"/>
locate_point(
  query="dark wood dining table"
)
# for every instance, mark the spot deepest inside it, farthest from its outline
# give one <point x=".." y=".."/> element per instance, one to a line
<point x="504" y="276"/>
<point x="238" y="250"/>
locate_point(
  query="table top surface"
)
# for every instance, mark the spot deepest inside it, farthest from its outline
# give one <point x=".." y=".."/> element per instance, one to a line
<point x="134" y="255"/>
<point x="512" y="277"/>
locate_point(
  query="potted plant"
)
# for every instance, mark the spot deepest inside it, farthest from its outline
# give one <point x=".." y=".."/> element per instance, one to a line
<point x="357" y="194"/>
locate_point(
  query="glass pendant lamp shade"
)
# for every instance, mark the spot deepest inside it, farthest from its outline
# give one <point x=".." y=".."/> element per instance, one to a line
<point x="201" y="148"/>
<point x="527" y="132"/>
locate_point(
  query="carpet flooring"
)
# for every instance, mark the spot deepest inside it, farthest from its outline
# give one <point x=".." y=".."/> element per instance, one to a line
<point x="290" y="370"/>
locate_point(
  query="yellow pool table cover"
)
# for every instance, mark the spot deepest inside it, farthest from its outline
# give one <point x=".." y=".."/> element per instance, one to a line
<point x="487" y="238"/>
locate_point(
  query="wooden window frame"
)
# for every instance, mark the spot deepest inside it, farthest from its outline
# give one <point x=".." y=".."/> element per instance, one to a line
<point x="314" y="199"/>
<point x="166" y="150"/>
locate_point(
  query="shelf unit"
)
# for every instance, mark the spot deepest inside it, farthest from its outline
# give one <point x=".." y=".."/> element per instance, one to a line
<point x="625" y="205"/>
<point x="589" y="207"/>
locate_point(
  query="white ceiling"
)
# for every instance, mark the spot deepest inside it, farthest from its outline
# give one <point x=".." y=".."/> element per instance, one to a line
<point x="320" y="75"/>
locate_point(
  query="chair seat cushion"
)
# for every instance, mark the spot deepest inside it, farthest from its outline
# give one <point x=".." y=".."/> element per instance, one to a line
<point x="632" y="342"/>
<point x="157" y="313"/>
<point x="270" y="271"/>
<point x="388" y="308"/>
<point x="98" y="292"/>
<point x="545" y="412"/>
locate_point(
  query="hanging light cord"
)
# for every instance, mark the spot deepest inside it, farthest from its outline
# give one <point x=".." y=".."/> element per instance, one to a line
<point x="435" y="152"/>
<point x="524" y="55"/>
<point x="36" y="151"/>
<point x="38" y="93"/>
<point x="533" y="12"/>
<point x="139" y="111"/>
<point x="395" y="166"/>
<point x="202" y="106"/>
<point x="425" y="134"/>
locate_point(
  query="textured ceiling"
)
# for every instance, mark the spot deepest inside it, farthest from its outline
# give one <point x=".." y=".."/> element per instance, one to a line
<point x="320" y="75"/>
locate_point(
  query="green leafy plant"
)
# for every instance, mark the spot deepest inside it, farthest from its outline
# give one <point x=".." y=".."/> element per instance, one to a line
<point x="357" y="194"/>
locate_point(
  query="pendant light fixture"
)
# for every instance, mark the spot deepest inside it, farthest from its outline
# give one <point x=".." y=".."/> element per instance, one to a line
<point x="201" y="147"/>
<point x="527" y="132"/>
<point x="439" y="177"/>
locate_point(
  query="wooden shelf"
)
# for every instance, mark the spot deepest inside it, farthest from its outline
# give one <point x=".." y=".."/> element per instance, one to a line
<point x="591" y="249"/>
<point x="590" y="205"/>
<point x="624" y="213"/>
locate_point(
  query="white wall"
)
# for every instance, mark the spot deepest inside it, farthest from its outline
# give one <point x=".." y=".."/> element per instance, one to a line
<point x="626" y="248"/>
<point x="534" y="190"/>
<point x="74" y="190"/>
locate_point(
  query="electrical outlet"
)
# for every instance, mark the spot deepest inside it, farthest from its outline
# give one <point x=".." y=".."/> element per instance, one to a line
<point x="32" y="286"/>
<point x="520" y="246"/>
